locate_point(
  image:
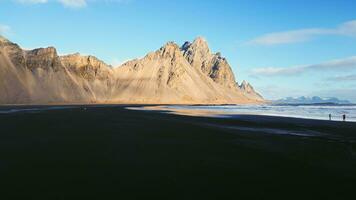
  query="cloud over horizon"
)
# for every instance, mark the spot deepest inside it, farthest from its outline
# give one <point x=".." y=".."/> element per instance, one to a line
<point x="275" y="92"/>
<point x="351" y="77"/>
<point x="348" y="63"/>
<point x="303" y="35"/>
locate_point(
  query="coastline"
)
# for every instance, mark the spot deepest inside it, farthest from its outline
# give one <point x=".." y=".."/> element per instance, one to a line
<point x="197" y="110"/>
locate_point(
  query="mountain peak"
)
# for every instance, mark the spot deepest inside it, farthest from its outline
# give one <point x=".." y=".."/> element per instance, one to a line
<point x="217" y="68"/>
<point x="244" y="83"/>
<point x="5" y="42"/>
<point x="3" y="39"/>
<point x="88" y="67"/>
<point x="48" y="50"/>
<point x="201" y="44"/>
<point x="247" y="88"/>
<point x="200" y="40"/>
<point x="78" y="60"/>
<point x="170" y="49"/>
<point x="170" y="44"/>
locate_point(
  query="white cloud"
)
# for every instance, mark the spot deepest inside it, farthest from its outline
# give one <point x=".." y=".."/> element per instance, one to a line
<point x="4" y="29"/>
<point x="351" y="77"/>
<point x="32" y="1"/>
<point x="71" y="3"/>
<point x="74" y="3"/>
<point x="340" y="64"/>
<point x="302" y="35"/>
<point x="348" y="28"/>
<point x="276" y="71"/>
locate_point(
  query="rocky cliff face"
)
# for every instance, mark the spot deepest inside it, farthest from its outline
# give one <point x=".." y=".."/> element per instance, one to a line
<point x="12" y="86"/>
<point x="36" y="76"/>
<point x="43" y="58"/>
<point x="214" y="66"/>
<point x="249" y="91"/>
<point x="165" y="76"/>
<point x="172" y="75"/>
<point x="87" y="67"/>
<point x="93" y="75"/>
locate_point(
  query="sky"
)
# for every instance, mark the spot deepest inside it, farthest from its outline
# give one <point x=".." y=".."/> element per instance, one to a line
<point x="282" y="47"/>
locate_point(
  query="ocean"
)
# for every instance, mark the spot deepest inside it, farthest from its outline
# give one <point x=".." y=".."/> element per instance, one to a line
<point x="320" y="112"/>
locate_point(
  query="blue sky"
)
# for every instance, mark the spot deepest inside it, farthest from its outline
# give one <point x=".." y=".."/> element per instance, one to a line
<point x="284" y="48"/>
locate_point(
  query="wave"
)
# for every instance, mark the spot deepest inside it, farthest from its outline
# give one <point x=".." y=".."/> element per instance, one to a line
<point x="320" y="112"/>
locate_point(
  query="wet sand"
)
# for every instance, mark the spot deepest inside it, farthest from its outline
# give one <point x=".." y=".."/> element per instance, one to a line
<point x="108" y="152"/>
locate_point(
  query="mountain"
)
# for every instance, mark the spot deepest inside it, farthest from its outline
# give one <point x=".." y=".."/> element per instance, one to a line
<point x="214" y="66"/>
<point x="311" y="100"/>
<point x="95" y="77"/>
<point x="36" y="76"/>
<point x="189" y="74"/>
<point x="249" y="91"/>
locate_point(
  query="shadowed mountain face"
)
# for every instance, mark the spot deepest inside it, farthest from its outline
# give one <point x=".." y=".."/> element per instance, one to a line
<point x="173" y="75"/>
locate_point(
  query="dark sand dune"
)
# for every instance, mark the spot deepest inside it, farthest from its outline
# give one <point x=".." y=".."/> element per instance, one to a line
<point x="109" y="152"/>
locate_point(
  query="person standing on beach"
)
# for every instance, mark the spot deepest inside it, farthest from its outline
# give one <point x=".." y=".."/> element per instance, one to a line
<point x="344" y="117"/>
<point x="330" y="117"/>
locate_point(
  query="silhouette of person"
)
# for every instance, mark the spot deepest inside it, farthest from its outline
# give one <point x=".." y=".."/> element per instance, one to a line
<point x="330" y="117"/>
<point x="344" y="117"/>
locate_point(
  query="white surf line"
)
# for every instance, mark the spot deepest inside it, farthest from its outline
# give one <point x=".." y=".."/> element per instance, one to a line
<point x="227" y="113"/>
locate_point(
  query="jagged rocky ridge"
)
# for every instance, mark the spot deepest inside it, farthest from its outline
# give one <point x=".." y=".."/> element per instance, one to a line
<point x="249" y="91"/>
<point x="190" y="74"/>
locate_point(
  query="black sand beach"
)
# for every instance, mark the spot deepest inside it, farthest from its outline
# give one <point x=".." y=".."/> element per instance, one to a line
<point x="108" y="152"/>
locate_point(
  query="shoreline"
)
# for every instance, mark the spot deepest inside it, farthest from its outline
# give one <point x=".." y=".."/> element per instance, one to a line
<point x="225" y="114"/>
<point x="184" y="110"/>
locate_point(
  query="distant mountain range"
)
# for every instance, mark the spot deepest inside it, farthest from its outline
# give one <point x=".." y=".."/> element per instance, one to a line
<point x="187" y="74"/>
<point x="310" y="100"/>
